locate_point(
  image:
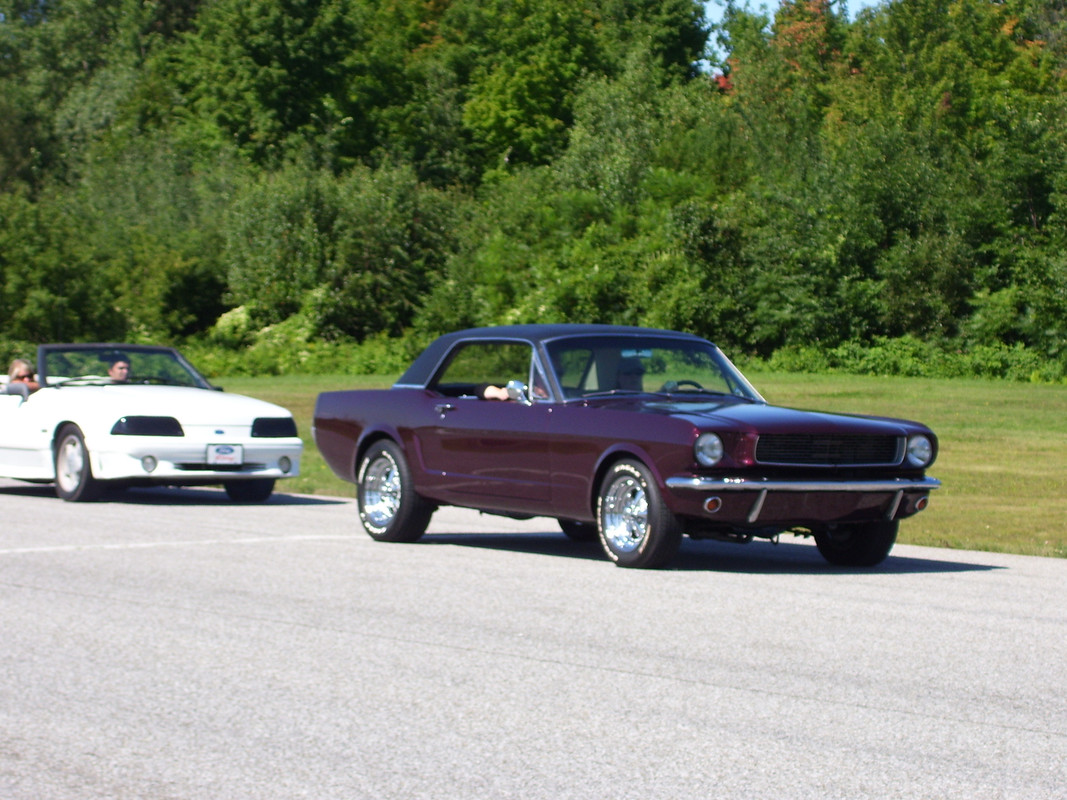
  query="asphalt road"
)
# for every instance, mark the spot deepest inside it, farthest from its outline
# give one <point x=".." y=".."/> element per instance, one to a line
<point x="169" y="644"/>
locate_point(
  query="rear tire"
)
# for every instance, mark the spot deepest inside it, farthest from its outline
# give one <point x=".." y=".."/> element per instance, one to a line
<point x="861" y="545"/>
<point x="389" y="508"/>
<point x="578" y="531"/>
<point x="254" y="490"/>
<point x="74" y="474"/>
<point x="635" y="526"/>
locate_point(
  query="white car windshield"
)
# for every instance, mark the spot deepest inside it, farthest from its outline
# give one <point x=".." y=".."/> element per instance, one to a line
<point x="117" y="364"/>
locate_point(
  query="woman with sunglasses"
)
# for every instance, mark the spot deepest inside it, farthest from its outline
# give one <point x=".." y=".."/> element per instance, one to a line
<point x="21" y="371"/>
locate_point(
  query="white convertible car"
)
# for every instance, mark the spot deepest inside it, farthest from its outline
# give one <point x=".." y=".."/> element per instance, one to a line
<point x="134" y="415"/>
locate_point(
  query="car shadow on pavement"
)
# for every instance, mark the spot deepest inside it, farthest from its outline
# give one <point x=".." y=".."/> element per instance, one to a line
<point x="802" y="557"/>
<point x="547" y="544"/>
<point x="708" y="556"/>
<point x="28" y="490"/>
<point x="173" y="496"/>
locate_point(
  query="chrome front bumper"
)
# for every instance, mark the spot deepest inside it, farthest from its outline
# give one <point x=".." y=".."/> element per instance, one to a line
<point x="762" y="486"/>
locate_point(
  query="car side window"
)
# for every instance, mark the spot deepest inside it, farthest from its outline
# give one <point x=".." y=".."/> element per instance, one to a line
<point x="574" y="370"/>
<point x="474" y="364"/>
<point x="538" y="386"/>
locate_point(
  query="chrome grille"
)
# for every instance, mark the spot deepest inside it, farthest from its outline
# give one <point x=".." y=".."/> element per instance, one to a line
<point x="828" y="449"/>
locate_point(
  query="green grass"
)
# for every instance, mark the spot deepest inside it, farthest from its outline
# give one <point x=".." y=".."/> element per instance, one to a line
<point x="297" y="393"/>
<point x="1003" y="459"/>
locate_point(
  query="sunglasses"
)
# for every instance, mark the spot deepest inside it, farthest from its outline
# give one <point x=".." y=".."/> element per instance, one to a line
<point x="24" y="377"/>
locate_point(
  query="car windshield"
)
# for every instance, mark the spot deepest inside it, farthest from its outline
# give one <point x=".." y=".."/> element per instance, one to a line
<point x="587" y="366"/>
<point x="122" y="364"/>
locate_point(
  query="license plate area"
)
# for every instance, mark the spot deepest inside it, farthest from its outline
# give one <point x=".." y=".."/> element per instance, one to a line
<point x="219" y="455"/>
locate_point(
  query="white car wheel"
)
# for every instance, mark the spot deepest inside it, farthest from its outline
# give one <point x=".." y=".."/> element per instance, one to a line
<point x="74" y="473"/>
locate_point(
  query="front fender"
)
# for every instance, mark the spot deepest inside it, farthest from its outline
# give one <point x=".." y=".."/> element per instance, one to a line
<point x="619" y="452"/>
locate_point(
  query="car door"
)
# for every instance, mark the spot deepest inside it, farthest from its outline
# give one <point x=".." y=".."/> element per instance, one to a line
<point x="487" y="450"/>
<point x="24" y="444"/>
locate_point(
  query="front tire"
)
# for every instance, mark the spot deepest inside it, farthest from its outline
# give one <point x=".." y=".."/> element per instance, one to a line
<point x="254" y="490"/>
<point x="635" y="526"/>
<point x="389" y="508"/>
<point x="861" y="545"/>
<point x="74" y="474"/>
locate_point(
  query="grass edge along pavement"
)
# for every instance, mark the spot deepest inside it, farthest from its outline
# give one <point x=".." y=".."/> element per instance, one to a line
<point x="1003" y="459"/>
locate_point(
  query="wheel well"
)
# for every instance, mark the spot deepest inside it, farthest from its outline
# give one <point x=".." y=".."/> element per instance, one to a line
<point x="602" y="470"/>
<point x="364" y="446"/>
<point x="57" y="430"/>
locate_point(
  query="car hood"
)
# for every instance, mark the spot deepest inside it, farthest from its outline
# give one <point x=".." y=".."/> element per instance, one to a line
<point x="717" y="413"/>
<point x="189" y="405"/>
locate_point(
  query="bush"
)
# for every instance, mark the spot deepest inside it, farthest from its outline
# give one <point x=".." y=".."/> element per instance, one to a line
<point x="910" y="357"/>
<point x="276" y="352"/>
<point x="284" y="349"/>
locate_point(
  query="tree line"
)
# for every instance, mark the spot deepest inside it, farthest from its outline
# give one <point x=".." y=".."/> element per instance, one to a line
<point x="301" y="183"/>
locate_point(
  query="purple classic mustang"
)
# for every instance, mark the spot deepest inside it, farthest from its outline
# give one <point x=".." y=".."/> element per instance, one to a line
<point x="630" y="435"/>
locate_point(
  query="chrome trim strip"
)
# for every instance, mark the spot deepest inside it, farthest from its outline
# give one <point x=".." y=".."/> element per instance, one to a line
<point x="762" y="484"/>
<point x="757" y="507"/>
<point x="892" y="512"/>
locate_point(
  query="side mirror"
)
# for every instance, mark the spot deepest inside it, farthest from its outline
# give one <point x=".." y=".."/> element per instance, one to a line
<point x="517" y="392"/>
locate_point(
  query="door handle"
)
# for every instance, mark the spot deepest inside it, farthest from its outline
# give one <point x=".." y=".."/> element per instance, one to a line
<point x="443" y="408"/>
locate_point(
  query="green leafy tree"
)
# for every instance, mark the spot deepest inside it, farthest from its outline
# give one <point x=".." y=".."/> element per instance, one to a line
<point x="277" y="241"/>
<point x="392" y="236"/>
<point x="614" y="138"/>
<point x="521" y="63"/>
<point x="268" y="76"/>
<point x="51" y="289"/>
<point x="153" y="217"/>
<point x="19" y="131"/>
<point x="71" y="66"/>
<point x="521" y="92"/>
<point x="351" y="256"/>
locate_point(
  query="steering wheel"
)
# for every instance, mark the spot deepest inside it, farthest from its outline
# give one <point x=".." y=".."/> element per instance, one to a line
<point x="674" y="386"/>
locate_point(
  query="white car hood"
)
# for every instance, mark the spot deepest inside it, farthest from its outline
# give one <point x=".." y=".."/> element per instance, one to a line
<point x="190" y="406"/>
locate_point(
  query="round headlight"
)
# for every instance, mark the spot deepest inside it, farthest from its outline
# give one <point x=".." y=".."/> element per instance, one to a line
<point x="708" y="449"/>
<point x="920" y="451"/>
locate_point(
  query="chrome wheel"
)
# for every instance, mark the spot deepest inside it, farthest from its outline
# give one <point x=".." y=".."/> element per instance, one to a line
<point x="625" y="514"/>
<point x="635" y="526"/>
<point x="389" y="507"/>
<point x="381" y="489"/>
